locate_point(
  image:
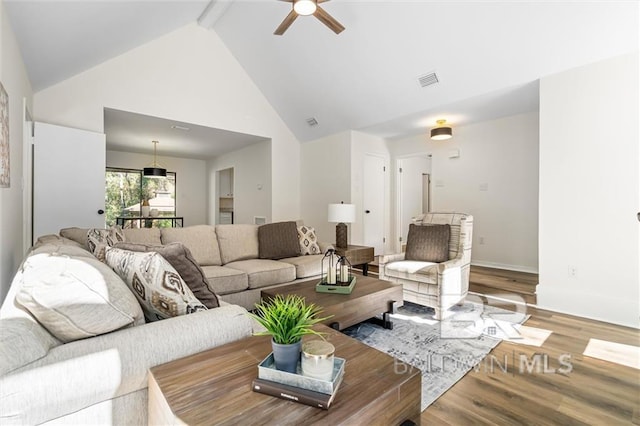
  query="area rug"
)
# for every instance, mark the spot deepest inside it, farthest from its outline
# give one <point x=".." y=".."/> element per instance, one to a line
<point x="443" y="350"/>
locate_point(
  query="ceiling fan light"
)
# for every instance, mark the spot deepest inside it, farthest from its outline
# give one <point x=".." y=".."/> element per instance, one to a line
<point x="304" y="7"/>
<point x="441" y="132"/>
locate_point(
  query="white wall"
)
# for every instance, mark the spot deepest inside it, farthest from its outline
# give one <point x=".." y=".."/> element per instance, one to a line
<point x="187" y="75"/>
<point x="503" y="155"/>
<point x="191" y="184"/>
<point x="325" y="179"/>
<point x="252" y="192"/>
<point x="362" y="144"/>
<point x="590" y="191"/>
<point x="13" y="77"/>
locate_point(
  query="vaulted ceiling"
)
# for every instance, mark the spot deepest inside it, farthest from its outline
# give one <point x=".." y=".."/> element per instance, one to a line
<point x="487" y="55"/>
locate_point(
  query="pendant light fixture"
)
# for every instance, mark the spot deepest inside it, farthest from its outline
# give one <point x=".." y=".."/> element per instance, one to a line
<point x="441" y="131"/>
<point x="155" y="171"/>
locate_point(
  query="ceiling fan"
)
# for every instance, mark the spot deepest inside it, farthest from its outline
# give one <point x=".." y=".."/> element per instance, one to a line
<point x="305" y="8"/>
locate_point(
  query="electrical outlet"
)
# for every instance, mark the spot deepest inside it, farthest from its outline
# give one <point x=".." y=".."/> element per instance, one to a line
<point x="481" y="241"/>
<point x="572" y="271"/>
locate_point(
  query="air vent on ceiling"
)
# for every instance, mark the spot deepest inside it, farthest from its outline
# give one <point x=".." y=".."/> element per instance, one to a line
<point x="428" y="79"/>
<point x="312" y="122"/>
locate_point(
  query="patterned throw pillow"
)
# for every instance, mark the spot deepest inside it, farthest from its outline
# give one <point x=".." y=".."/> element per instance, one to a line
<point x="179" y="256"/>
<point x="308" y="240"/>
<point x="99" y="239"/>
<point x="158" y="287"/>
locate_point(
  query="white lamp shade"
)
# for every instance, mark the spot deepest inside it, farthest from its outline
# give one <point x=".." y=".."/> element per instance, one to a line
<point x="342" y="213"/>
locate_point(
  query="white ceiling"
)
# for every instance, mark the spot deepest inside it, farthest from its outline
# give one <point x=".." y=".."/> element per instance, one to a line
<point x="131" y="132"/>
<point x="488" y="55"/>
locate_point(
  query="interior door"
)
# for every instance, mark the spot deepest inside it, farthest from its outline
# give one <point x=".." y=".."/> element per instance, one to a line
<point x="373" y="196"/>
<point x="68" y="179"/>
<point x="410" y="192"/>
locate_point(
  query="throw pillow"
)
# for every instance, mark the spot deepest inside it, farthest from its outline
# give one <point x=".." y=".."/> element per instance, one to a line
<point x="179" y="256"/>
<point x="155" y="283"/>
<point x="428" y="243"/>
<point x="308" y="240"/>
<point x="278" y="240"/>
<point x="99" y="239"/>
<point x="76" y="298"/>
<point x="79" y="235"/>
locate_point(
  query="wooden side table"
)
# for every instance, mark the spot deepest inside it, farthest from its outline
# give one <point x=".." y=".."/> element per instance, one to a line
<point x="357" y="255"/>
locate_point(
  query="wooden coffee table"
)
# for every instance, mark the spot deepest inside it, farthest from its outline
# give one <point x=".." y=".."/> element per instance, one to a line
<point x="214" y="387"/>
<point x="369" y="298"/>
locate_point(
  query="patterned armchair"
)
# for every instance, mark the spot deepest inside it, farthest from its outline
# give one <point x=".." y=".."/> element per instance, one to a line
<point x="438" y="285"/>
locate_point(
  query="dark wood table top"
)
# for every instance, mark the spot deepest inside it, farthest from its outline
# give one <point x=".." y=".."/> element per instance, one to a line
<point x="214" y="387"/>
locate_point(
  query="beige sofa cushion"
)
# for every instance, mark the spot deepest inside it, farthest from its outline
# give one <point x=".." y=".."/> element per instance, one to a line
<point x="237" y="242"/>
<point x="76" y="298"/>
<point x="306" y="266"/>
<point x="265" y="272"/>
<point x="150" y="236"/>
<point x="225" y="280"/>
<point x="426" y="272"/>
<point x="179" y="256"/>
<point x="200" y="239"/>
<point x="155" y="283"/>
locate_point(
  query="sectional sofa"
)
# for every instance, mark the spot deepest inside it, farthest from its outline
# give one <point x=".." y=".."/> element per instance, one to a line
<point x="95" y="370"/>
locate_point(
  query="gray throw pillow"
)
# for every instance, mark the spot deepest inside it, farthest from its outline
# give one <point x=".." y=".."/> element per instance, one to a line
<point x="278" y="240"/>
<point x="428" y="243"/>
<point x="179" y="256"/>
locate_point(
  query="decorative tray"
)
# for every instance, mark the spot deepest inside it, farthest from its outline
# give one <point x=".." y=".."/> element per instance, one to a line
<point x="340" y="288"/>
<point x="267" y="371"/>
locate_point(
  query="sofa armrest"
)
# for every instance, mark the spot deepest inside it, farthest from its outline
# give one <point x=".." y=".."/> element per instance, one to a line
<point x="325" y="246"/>
<point x="84" y="372"/>
<point x="450" y="264"/>
<point x="388" y="258"/>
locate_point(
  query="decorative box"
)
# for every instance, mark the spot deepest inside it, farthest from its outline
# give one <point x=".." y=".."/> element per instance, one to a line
<point x="267" y="371"/>
<point x="341" y="288"/>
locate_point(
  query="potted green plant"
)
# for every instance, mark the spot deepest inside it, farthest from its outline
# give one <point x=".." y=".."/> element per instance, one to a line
<point x="286" y="319"/>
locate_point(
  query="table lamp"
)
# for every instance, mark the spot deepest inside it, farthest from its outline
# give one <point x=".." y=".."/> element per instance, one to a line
<point x="341" y="214"/>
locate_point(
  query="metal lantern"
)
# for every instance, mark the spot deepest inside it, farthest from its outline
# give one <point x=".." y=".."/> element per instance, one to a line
<point x="343" y="270"/>
<point x="329" y="267"/>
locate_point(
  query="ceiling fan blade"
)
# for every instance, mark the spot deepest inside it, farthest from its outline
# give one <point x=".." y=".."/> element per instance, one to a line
<point x="286" y="23"/>
<point x="328" y="20"/>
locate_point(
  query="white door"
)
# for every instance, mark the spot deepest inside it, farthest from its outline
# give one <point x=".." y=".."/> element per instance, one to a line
<point x="68" y="179"/>
<point x="373" y="202"/>
<point x="410" y="171"/>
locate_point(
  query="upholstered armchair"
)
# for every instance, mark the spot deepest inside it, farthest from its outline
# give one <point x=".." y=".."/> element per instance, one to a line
<point x="443" y="280"/>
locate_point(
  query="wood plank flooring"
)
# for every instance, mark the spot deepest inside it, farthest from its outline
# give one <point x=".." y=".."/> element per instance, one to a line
<point x="575" y="389"/>
<point x="510" y="386"/>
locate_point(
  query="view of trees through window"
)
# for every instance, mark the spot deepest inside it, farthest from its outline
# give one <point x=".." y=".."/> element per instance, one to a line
<point x="126" y="189"/>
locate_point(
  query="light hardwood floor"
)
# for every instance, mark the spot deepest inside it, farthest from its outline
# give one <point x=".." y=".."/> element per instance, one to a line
<point x="594" y="392"/>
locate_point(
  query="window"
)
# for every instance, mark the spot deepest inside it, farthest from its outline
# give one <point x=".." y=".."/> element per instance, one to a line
<point x="126" y="189"/>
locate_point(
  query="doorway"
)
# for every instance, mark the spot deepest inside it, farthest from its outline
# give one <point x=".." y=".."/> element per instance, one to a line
<point x="411" y="199"/>
<point x="225" y="179"/>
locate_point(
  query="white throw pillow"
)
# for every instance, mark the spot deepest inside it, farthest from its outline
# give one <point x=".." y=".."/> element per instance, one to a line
<point x="308" y="240"/>
<point x="161" y="291"/>
<point x="76" y="298"/>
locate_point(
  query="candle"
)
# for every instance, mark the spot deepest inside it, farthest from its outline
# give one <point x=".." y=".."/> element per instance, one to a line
<point x="331" y="277"/>
<point x="317" y="359"/>
<point x="344" y="273"/>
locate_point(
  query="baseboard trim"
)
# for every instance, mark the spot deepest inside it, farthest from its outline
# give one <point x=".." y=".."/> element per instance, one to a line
<point x="496" y="265"/>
